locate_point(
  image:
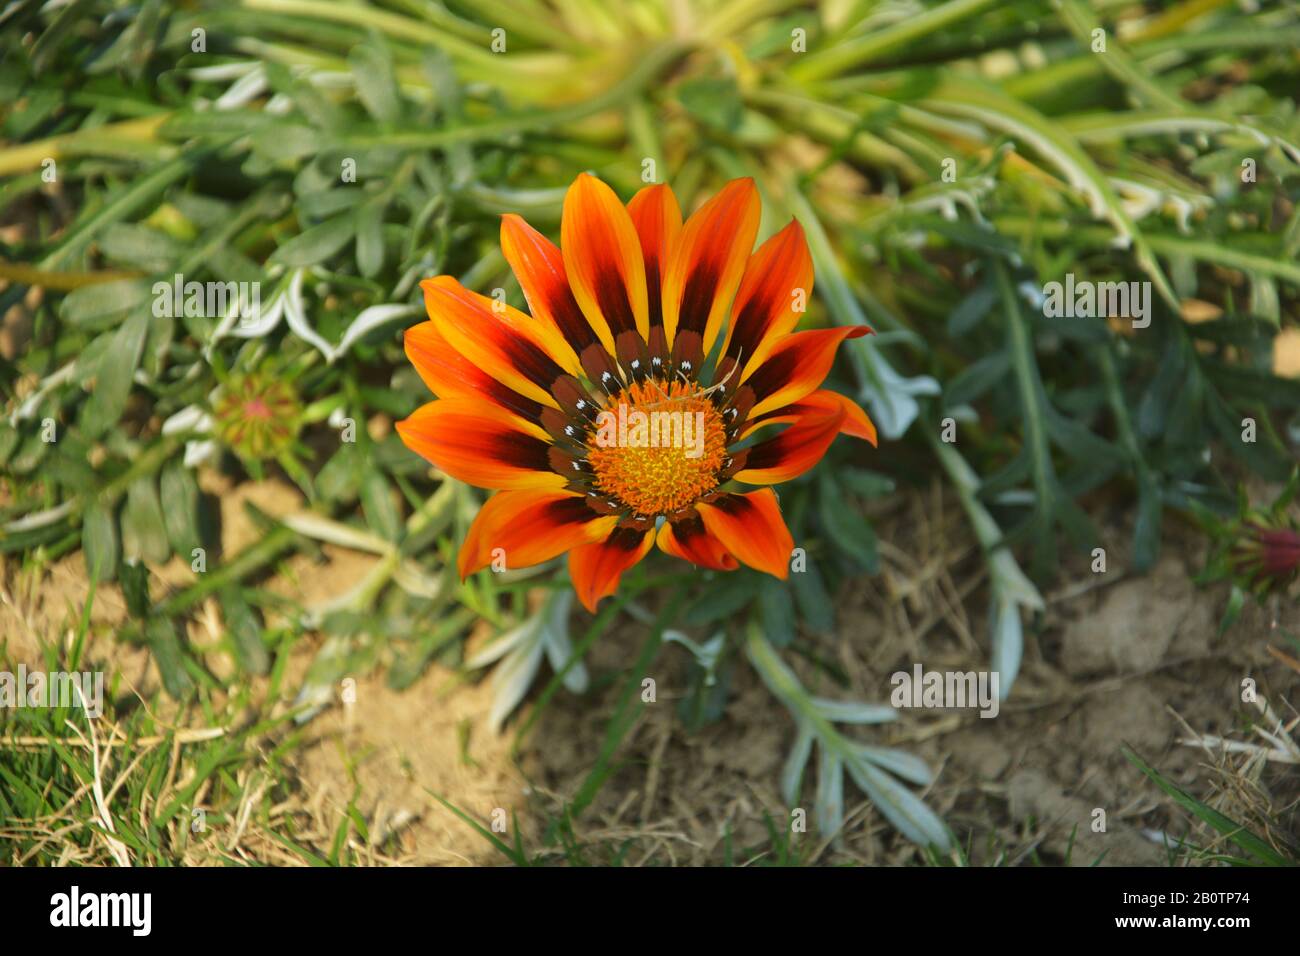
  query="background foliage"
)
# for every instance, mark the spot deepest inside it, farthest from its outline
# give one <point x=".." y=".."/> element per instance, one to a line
<point x="1122" y="164"/>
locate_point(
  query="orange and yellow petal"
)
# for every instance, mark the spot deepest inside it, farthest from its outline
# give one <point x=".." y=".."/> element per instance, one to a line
<point x="658" y="222"/>
<point x="750" y="526"/>
<point x="707" y="263"/>
<point x="774" y="293"/>
<point x="602" y="257"/>
<point x="524" y="528"/>
<point x="448" y="374"/>
<point x="506" y="346"/>
<point x="596" y="568"/>
<point x="797" y="366"/>
<point x="538" y="265"/>
<point x="480" y="443"/>
<point x="688" y="539"/>
<point x="794" y="451"/>
<point x="856" y="421"/>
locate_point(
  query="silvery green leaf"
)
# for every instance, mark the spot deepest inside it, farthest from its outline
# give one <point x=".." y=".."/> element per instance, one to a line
<point x="908" y="766"/>
<point x="706" y="654"/>
<point x="830" y="792"/>
<point x="318" y="687"/>
<point x="244" y="90"/>
<point x="370" y="319"/>
<point x="503" y="645"/>
<point x="197" y="452"/>
<point x="295" y="314"/>
<point x="414" y="580"/>
<point x="854" y="712"/>
<point x="243" y="327"/>
<point x="191" y="418"/>
<point x="889" y="394"/>
<point x="907" y="812"/>
<point x="792" y="772"/>
<point x="511" y="680"/>
<point x="559" y="648"/>
<point x="1008" y="642"/>
<point x="312" y="525"/>
<point x="223" y="71"/>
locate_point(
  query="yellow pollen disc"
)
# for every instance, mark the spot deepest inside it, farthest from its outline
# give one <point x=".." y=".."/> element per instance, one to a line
<point x="657" y="447"/>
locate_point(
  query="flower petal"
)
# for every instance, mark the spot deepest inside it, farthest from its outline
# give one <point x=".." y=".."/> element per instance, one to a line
<point x="514" y="349"/>
<point x="750" y="526"/>
<point x="530" y="527"/>
<point x="602" y="257"/>
<point x="856" y="421"/>
<point x="794" y="451"/>
<point x="687" y="538"/>
<point x="597" y="568"/>
<point x="480" y="443"/>
<point x="706" y="266"/>
<point x="448" y="374"/>
<point x="773" y="294"/>
<point x="538" y="264"/>
<point x="658" y="222"/>
<point x="797" y="366"/>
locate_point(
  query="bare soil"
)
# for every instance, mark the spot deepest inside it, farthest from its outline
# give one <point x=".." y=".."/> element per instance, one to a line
<point x="1116" y="659"/>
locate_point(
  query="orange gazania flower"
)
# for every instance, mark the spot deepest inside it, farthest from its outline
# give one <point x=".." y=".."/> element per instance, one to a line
<point x="596" y="419"/>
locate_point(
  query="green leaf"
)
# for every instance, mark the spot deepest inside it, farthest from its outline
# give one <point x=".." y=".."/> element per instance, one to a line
<point x="777" y="608"/>
<point x="372" y="70"/>
<point x="114" y="376"/>
<point x="99" y="542"/>
<point x="144" y="532"/>
<point x="180" y="508"/>
<point x="1234" y="831"/>
<point x="715" y="102"/>
<point x="370" y="239"/>
<point x="245" y="630"/>
<point x="317" y="243"/>
<point x="381" y="509"/>
<point x="104" y="304"/>
<point x="165" y="643"/>
<point x="134" y="579"/>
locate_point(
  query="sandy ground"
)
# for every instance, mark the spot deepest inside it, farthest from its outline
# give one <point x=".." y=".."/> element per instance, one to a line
<point x="1116" y="659"/>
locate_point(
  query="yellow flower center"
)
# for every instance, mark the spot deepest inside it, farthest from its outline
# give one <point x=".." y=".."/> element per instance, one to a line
<point x="657" y="447"/>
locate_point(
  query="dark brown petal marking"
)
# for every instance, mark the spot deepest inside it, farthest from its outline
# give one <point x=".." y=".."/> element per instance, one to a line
<point x="517" y="450"/>
<point x="686" y="524"/>
<point x="699" y="291"/>
<point x="688" y="353"/>
<point x="658" y="348"/>
<point x="737" y="412"/>
<point x="573" y="399"/>
<point x="601" y="369"/>
<point x="737" y="506"/>
<point x="627" y="536"/>
<point x="735" y="462"/>
<point x="604" y="505"/>
<point x="611" y="296"/>
<point x="767" y="454"/>
<point x="534" y="364"/>
<point x="633" y="355"/>
<point x="569" y="466"/>
<point x="568" y="433"/>
<point x="552" y="285"/>
<point x="507" y="397"/>
<point x="773" y="373"/>
<point x="569" y="511"/>
<point x="637" y="525"/>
